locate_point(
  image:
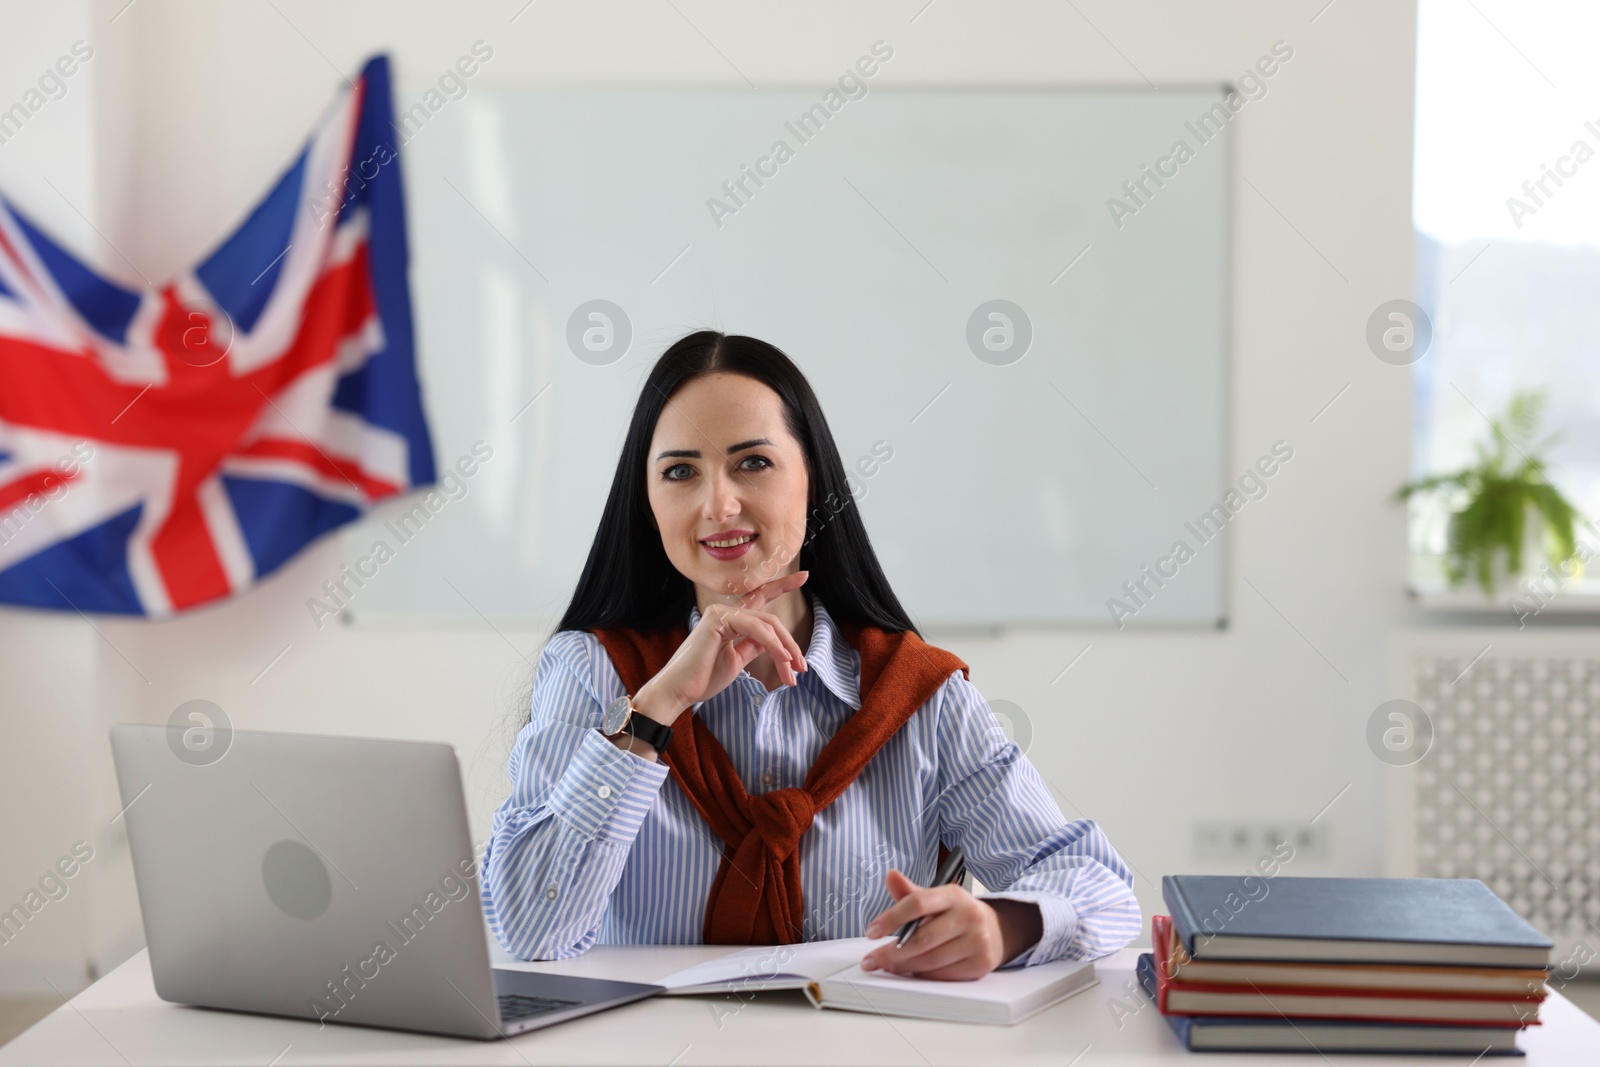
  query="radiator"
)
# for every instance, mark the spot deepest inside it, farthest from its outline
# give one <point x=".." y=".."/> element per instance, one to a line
<point x="1508" y="790"/>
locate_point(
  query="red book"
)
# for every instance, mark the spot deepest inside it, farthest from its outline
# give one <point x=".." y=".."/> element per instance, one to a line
<point x="1328" y="1002"/>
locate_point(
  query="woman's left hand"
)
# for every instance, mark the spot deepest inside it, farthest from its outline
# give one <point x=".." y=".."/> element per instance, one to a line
<point x="960" y="937"/>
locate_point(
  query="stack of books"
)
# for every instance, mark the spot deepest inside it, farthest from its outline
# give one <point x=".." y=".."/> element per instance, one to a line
<point x="1343" y="965"/>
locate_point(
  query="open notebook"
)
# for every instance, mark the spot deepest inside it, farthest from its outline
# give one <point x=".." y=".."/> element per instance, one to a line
<point x="830" y="974"/>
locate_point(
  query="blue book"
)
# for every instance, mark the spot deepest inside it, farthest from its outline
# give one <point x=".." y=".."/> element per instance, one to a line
<point x="1450" y="921"/>
<point x="1225" y="1033"/>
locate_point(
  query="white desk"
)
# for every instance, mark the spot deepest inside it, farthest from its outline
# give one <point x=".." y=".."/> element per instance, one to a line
<point x="120" y="1021"/>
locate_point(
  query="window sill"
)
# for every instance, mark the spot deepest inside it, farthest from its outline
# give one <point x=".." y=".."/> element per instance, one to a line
<point x="1580" y="598"/>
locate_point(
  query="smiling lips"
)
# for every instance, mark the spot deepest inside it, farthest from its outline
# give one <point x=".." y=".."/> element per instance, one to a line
<point x="729" y="545"/>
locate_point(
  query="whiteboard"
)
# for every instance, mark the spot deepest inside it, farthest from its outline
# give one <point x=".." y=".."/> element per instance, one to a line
<point x="1022" y="491"/>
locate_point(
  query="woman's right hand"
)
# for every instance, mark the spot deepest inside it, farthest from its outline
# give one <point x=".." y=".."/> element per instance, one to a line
<point x="724" y="642"/>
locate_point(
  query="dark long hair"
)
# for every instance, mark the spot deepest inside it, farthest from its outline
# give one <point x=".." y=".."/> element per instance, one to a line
<point x="628" y="581"/>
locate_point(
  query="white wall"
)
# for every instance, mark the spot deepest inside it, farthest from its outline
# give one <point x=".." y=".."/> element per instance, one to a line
<point x="48" y="663"/>
<point x="201" y="104"/>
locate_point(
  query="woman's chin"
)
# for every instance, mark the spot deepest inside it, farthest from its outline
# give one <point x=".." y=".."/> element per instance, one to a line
<point x="734" y="577"/>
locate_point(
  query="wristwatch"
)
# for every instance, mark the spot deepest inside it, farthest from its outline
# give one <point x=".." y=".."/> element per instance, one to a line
<point x="623" y="717"/>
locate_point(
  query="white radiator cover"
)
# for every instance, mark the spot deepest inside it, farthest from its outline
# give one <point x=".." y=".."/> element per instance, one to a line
<point x="1509" y="788"/>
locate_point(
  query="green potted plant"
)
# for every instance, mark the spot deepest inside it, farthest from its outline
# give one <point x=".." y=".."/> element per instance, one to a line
<point x="1502" y="499"/>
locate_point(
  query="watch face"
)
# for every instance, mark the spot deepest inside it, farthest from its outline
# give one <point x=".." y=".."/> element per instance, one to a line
<point x="616" y="715"/>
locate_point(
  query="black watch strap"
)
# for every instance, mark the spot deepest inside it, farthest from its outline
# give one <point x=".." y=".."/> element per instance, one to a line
<point x="646" y="729"/>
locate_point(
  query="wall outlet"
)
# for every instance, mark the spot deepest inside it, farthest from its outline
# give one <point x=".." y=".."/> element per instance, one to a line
<point x="1250" y="841"/>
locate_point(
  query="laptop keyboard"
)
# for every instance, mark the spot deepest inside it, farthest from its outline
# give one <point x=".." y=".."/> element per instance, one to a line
<point x="514" y="1007"/>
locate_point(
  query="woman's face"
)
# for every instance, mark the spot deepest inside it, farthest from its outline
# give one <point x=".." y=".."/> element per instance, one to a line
<point x="724" y="467"/>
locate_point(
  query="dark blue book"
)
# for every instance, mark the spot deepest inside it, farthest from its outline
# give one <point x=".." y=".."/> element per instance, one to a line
<point x="1226" y="1033"/>
<point x="1451" y="921"/>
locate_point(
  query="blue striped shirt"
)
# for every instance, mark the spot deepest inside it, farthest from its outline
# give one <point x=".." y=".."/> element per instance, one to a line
<point x="591" y="848"/>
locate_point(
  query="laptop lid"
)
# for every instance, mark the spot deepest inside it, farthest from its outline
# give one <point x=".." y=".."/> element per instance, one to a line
<point x="321" y="877"/>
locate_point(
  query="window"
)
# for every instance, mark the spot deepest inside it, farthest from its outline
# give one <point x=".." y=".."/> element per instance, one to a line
<point x="1506" y="203"/>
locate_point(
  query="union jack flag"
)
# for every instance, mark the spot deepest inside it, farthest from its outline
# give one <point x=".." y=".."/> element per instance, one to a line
<point x="166" y="448"/>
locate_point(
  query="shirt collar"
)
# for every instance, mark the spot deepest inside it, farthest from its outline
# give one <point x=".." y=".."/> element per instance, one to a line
<point x="830" y="657"/>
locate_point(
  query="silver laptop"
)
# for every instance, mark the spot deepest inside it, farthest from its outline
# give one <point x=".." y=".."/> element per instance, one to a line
<point x="327" y="878"/>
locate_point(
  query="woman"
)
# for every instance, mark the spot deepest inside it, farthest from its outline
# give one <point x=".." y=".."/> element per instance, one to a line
<point x="732" y="630"/>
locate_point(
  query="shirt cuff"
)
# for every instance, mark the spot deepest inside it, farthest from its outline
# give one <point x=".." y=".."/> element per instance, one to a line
<point x="1059" y="920"/>
<point x="606" y="792"/>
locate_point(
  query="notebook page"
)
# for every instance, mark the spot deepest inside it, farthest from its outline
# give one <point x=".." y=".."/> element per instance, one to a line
<point x="755" y="967"/>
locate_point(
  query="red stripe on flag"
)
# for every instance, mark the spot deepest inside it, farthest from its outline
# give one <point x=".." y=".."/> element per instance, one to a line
<point x="311" y="456"/>
<point x="186" y="557"/>
<point x="40" y="482"/>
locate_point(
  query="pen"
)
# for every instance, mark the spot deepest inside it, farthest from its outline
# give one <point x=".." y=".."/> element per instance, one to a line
<point x="951" y="870"/>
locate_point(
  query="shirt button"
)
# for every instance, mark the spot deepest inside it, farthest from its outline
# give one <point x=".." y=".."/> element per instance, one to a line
<point x="767" y="778"/>
<point x="550" y="894"/>
<point x="603" y="792"/>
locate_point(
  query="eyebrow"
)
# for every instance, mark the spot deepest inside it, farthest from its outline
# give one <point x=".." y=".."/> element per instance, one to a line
<point x="694" y="453"/>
